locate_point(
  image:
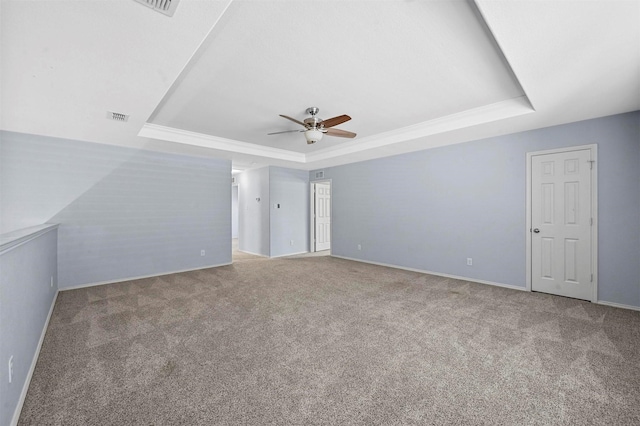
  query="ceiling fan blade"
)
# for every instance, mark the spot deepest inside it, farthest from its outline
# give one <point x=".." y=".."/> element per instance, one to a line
<point x="293" y="119"/>
<point x="335" y="121"/>
<point x="340" y="133"/>
<point x="285" y="131"/>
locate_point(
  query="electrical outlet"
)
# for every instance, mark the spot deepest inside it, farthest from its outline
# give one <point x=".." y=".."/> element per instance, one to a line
<point x="51" y="280"/>
<point x="201" y="252"/>
<point x="291" y="242"/>
<point x="10" y="368"/>
<point x="469" y="261"/>
<point x="359" y="246"/>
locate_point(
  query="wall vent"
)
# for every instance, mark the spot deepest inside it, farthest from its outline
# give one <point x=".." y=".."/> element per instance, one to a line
<point x="320" y="175"/>
<point x="166" y="7"/>
<point x="117" y="116"/>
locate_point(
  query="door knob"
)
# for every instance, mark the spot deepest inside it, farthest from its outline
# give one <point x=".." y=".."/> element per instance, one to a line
<point x="536" y="230"/>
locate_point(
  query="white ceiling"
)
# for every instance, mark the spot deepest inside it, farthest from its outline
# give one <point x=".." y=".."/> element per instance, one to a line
<point x="212" y="79"/>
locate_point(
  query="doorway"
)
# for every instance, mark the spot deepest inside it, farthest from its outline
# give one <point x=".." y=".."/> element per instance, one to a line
<point x="320" y="238"/>
<point x="562" y="222"/>
<point x="235" y="215"/>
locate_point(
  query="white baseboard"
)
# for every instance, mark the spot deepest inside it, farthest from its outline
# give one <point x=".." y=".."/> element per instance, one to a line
<point x="513" y="287"/>
<point x="289" y="254"/>
<point x="121" y="280"/>
<point x="272" y="257"/>
<point x="252" y="253"/>
<point x="618" y="305"/>
<point x="423" y="271"/>
<point x="34" y="361"/>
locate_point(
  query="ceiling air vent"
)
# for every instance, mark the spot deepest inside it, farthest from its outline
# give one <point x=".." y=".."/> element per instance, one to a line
<point x="320" y="175"/>
<point x="117" y="116"/>
<point x="167" y="7"/>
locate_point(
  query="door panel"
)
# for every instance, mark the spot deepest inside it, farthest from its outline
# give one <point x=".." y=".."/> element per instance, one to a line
<point x="547" y="203"/>
<point x="322" y="216"/>
<point x="571" y="260"/>
<point x="561" y="224"/>
<point x="547" y="257"/>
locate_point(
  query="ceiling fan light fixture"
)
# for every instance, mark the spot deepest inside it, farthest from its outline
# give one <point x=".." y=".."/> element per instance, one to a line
<point x="315" y="127"/>
<point x="313" y="136"/>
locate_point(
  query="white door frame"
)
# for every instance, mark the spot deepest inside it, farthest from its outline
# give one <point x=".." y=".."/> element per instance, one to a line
<point x="594" y="211"/>
<point x="312" y="213"/>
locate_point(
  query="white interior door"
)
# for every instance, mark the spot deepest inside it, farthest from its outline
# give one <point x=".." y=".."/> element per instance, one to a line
<point x="561" y="224"/>
<point x="322" y="211"/>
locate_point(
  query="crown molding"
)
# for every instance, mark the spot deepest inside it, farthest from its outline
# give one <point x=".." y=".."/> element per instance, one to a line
<point x="472" y="117"/>
<point x="171" y="134"/>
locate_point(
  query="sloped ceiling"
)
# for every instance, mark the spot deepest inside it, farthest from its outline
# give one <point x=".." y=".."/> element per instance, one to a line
<point x="212" y="79"/>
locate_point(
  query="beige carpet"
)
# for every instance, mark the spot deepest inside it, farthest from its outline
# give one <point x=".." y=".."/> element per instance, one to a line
<point x="320" y="340"/>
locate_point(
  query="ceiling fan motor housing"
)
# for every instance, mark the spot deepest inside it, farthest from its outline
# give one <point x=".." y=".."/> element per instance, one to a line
<point x="314" y="121"/>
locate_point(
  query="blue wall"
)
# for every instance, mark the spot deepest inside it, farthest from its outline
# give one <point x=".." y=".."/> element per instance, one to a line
<point x="253" y="221"/>
<point x="123" y="213"/>
<point x="290" y="189"/>
<point x="234" y="211"/>
<point x="26" y="296"/>
<point x="432" y="209"/>
<point x="264" y="228"/>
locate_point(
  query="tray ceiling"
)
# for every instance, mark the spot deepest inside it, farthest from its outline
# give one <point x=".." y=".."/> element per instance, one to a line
<point x="212" y="79"/>
<point x="389" y="65"/>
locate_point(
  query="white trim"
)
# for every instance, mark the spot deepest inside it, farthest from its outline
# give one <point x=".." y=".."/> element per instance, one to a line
<point x="594" y="211"/>
<point x="440" y="274"/>
<point x="255" y="254"/>
<point x="15" y="239"/>
<point x="618" y="305"/>
<point x="312" y="212"/>
<point x="289" y="254"/>
<point x="312" y="217"/>
<point x="156" y="131"/>
<point x="460" y="120"/>
<point x="594" y="215"/>
<point x="34" y="361"/>
<point x="121" y="280"/>
<point x="484" y="114"/>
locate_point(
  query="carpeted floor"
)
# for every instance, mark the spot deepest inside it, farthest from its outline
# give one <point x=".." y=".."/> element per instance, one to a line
<point x="321" y="340"/>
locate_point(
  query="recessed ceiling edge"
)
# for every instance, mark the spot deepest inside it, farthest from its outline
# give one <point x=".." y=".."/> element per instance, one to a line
<point x="472" y="117"/>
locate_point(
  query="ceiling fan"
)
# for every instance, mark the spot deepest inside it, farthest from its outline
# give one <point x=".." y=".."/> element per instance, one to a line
<point x="315" y="127"/>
